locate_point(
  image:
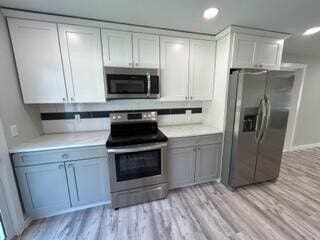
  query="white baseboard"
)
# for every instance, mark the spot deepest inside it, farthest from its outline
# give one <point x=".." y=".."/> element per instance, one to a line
<point x="306" y="146"/>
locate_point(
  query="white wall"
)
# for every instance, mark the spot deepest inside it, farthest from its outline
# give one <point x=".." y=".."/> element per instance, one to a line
<point x="12" y="109"/>
<point x="308" y="128"/>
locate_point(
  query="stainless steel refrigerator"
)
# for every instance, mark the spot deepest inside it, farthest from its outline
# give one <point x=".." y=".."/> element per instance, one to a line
<point x="256" y="121"/>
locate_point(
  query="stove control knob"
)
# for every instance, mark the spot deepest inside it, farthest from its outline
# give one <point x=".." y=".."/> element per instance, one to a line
<point x="144" y="115"/>
<point x="149" y="115"/>
<point x="119" y="117"/>
<point x="114" y="117"/>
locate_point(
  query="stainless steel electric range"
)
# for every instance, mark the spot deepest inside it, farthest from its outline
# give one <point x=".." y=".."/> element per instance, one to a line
<point x="137" y="159"/>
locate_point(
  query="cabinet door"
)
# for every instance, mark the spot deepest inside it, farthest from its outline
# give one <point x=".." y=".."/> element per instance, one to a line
<point x="117" y="48"/>
<point x="88" y="181"/>
<point x="174" y="68"/>
<point x="82" y="59"/>
<point x="181" y="166"/>
<point x="201" y="70"/>
<point x="146" y="50"/>
<point x="269" y="53"/>
<point x="38" y="60"/>
<point x="244" y="51"/>
<point x="208" y="163"/>
<point x="43" y="188"/>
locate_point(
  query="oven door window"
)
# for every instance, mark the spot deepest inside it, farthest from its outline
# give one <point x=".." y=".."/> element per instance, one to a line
<point x="138" y="164"/>
<point x="127" y="86"/>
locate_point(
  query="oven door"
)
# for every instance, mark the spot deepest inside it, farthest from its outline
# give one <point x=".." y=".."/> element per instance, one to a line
<point x="137" y="166"/>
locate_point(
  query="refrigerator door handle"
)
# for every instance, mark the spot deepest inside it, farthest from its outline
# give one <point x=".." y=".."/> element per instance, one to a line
<point x="267" y="116"/>
<point x="260" y="126"/>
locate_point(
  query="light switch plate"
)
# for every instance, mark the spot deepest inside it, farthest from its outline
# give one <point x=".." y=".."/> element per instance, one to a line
<point x="14" y="130"/>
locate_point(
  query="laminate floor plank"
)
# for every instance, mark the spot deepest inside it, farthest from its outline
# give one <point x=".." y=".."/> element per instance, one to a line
<point x="286" y="209"/>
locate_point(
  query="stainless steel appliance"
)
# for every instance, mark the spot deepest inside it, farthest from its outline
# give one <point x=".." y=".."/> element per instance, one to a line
<point x="257" y="113"/>
<point x="137" y="159"/>
<point x="123" y="83"/>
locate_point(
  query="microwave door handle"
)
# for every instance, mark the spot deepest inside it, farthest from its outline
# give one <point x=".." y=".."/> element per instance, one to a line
<point x="136" y="148"/>
<point x="148" y="84"/>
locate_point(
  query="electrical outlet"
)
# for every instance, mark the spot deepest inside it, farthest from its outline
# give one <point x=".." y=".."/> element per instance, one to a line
<point x="14" y="130"/>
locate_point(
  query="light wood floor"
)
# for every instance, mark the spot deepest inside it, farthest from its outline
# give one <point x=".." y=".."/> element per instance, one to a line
<point x="286" y="209"/>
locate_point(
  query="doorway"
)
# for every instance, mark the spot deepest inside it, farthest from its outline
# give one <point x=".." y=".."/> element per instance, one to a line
<point x="3" y="235"/>
<point x="297" y="89"/>
<point x="12" y="219"/>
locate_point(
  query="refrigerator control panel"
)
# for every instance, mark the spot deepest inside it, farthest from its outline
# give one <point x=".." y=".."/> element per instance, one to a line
<point x="249" y="123"/>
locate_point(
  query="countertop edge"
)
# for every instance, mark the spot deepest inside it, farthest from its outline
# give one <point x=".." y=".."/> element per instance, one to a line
<point x="22" y="149"/>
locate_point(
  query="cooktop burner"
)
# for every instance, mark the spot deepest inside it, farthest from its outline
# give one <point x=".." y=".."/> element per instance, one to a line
<point x="134" y="128"/>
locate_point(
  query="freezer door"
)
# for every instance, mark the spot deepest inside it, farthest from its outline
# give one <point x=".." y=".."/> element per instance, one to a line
<point x="247" y="121"/>
<point x="278" y="95"/>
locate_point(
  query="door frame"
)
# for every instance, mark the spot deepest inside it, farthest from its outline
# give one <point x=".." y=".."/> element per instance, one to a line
<point x="295" y="67"/>
<point x="10" y="203"/>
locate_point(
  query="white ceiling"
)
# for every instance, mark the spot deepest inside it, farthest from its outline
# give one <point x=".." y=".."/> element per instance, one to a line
<point x="292" y="16"/>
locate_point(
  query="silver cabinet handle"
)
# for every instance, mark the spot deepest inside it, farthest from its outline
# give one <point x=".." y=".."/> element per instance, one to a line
<point x="61" y="166"/>
<point x="64" y="99"/>
<point x="70" y="165"/>
<point x="130" y="64"/>
<point x="186" y="97"/>
<point x="72" y="99"/>
<point x="65" y="156"/>
<point x="191" y="98"/>
<point x="137" y="64"/>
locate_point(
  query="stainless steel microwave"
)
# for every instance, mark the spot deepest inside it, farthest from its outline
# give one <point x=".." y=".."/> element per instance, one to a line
<point x="134" y="86"/>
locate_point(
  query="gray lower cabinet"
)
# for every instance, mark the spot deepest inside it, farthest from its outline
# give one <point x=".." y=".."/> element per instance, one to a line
<point x="51" y="187"/>
<point x="44" y="188"/>
<point x="208" y="163"/>
<point x="181" y="167"/>
<point x="87" y="181"/>
<point x="194" y="160"/>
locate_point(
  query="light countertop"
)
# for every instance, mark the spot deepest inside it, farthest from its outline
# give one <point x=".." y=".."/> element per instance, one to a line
<point x="193" y="130"/>
<point x="99" y="138"/>
<point x="63" y="140"/>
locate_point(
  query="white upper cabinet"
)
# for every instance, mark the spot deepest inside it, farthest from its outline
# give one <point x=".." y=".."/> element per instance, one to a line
<point x="146" y="50"/>
<point x="270" y="53"/>
<point x="256" y="51"/>
<point x="201" y="69"/>
<point x="244" y="51"/>
<point x="117" y="48"/>
<point x="174" y="68"/>
<point x="38" y="59"/>
<point x="82" y="60"/>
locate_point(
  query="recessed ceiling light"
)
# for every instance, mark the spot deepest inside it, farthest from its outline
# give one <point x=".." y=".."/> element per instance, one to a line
<point x="311" y="31"/>
<point x="210" y="13"/>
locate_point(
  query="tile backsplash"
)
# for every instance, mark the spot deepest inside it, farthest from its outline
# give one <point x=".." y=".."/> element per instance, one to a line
<point x="90" y="117"/>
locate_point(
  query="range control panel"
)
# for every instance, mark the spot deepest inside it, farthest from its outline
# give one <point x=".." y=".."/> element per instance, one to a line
<point x="133" y="116"/>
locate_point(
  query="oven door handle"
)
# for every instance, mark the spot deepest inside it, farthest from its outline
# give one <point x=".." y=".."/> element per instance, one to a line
<point x="136" y="148"/>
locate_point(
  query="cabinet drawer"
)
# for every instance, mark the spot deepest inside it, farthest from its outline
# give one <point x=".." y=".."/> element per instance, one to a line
<point x="43" y="157"/>
<point x="194" y="141"/>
